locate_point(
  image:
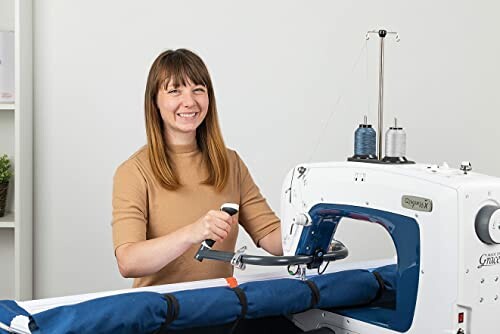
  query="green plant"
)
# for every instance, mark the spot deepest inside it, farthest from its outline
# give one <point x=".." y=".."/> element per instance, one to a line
<point x="5" y="170"/>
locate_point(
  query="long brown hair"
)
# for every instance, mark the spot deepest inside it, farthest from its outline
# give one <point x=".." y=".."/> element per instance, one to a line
<point x="179" y="66"/>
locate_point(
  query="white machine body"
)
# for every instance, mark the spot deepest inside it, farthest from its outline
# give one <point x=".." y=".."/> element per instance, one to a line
<point x="459" y="278"/>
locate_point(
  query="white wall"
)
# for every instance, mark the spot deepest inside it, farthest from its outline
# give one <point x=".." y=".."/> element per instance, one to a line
<point x="7" y="15"/>
<point x="279" y="69"/>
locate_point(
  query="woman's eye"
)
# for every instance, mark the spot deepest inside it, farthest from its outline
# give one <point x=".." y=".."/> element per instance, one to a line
<point x="201" y="90"/>
<point x="172" y="91"/>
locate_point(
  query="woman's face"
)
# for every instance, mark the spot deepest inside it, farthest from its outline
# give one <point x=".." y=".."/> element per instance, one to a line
<point x="182" y="108"/>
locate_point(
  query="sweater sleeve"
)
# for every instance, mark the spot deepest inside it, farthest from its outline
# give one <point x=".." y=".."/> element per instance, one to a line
<point x="255" y="215"/>
<point x="130" y="213"/>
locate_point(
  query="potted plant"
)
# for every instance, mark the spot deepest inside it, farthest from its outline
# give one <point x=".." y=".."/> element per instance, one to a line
<point x="5" y="175"/>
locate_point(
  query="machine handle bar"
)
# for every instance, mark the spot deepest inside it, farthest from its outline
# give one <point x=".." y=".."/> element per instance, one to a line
<point x="338" y="253"/>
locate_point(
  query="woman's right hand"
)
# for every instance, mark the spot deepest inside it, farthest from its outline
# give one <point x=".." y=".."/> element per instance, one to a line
<point x="214" y="225"/>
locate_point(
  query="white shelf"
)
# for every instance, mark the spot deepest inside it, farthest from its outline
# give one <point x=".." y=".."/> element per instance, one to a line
<point x="7" y="221"/>
<point x="16" y="130"/>
<point x="7" y="106"/>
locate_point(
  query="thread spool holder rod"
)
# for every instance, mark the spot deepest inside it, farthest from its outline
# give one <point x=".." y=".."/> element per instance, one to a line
<point x="382" y="34"/>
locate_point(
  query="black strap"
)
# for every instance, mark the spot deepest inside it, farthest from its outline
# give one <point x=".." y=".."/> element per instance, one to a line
<point x="32" y="326"/>
<point x="172" y="312"/>
<point x="315" y="295"/>
<point x="243" y="301"/>
<point x="381" y="284"/>
<point x="244" y="306"/>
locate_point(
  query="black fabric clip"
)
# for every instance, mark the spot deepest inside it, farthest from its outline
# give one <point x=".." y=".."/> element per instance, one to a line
<point x="381" y="284"/>
<point x="172" y="312"/>
<point x="315" y="294"/>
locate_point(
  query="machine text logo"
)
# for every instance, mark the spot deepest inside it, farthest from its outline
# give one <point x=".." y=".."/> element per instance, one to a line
<point x="489" y="259"/>
<point x="416" y="203"/>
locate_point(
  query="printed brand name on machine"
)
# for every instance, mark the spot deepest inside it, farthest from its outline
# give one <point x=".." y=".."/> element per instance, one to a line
<point x="489" y="259"/>
<point x="416" y="203"/>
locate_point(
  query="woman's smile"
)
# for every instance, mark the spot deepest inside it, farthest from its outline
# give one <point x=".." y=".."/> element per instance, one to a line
<point x="188" y="116"/>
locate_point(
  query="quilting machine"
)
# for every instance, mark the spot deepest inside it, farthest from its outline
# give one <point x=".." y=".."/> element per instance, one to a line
<point x="445" y="225"/>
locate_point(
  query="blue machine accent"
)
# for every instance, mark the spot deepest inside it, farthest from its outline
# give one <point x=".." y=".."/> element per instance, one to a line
<point x="318" y="235"/>
<point x="405" y="234"/>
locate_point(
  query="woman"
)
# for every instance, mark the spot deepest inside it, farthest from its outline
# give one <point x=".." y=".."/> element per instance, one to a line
<point x="166" y="195"/>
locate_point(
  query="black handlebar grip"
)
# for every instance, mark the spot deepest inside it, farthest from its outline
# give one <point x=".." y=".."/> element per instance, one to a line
<point x="229" y="208"/>
<point x="209" y="242"/>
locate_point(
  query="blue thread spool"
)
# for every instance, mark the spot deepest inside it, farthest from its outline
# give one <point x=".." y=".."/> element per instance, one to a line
<point x="365" y="141"/>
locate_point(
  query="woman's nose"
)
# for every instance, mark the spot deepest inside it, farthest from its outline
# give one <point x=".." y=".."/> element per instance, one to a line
<point x="188" y="100"/>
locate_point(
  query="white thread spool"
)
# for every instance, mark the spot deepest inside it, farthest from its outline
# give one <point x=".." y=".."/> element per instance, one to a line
<point x="395" y="141"/>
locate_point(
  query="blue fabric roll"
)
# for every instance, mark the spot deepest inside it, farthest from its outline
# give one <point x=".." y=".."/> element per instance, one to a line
<point x="8" y="311"/>
<point x="346" y="288"/>
<point x="146" y="312"/>
<point x="138" y="312"/>
<point x="204" y="307"/>
<point x="389" y="275"/>
<point x="276" y="297"/>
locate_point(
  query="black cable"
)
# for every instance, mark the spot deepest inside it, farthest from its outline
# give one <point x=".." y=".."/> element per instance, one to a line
<point x="321" y="271"/>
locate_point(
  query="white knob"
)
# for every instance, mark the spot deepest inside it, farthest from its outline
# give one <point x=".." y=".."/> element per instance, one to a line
<point x="301" y="219"/>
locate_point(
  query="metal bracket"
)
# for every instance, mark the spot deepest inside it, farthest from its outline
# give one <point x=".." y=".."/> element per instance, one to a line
<point x="236" y="260"/>
<point x="302" y="272"/>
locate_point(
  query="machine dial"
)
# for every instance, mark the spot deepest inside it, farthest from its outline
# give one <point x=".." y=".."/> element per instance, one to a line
<point x="488" y="224"/>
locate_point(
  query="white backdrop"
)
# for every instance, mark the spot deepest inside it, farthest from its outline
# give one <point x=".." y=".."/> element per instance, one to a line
<point x="280" y="70"/>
